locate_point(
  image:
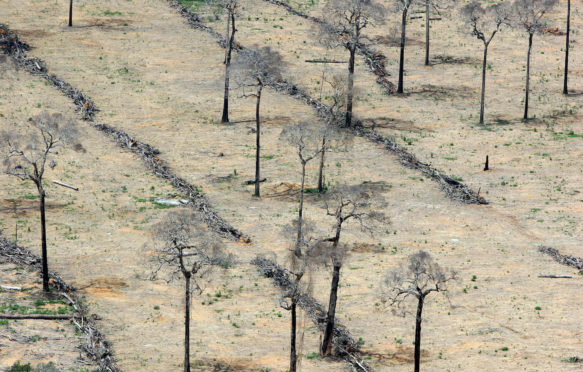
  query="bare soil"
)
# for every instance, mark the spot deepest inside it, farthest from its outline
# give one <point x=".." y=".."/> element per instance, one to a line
<point x="154" y="77"/>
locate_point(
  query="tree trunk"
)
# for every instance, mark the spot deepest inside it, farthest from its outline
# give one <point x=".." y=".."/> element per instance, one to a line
<point x="230" y="39"/>
<point x="43" y="228"/>
<point x="527" y="76"/>
<point x="321" y="171"/>
<point x="349" y="92"/>
<point x="71" y="13"/>
<point x="565" y="89"/>
<point x="427" y="32"/>
<point x="483" y="97"/>
<point x="298" y="251"/>
<point x="327" y="343"/>
<point x="257" y="142"/>
<point x="293" y="356"/>
<point x="402" y="56"/>
<point x="187" y="325"/>
<point x="418" y="333"/>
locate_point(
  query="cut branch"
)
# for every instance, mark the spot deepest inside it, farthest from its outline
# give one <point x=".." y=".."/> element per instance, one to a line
<point x="65" y="185"/>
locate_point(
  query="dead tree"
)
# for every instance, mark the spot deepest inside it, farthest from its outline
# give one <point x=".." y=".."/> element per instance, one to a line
<point x="346" y="20"/>
<point x="333" y="137"/>
<point x="485" y="23"/>
<point x="565" y="88"/>
<point x="418" y="279"/>
<point x="529" y="15"/>
<point x="189" y="249"/>
<point x="25" y="157"/>
<point x="304" y="258"/>
<point x="71" y="13"/>
<point x="231" y="6"/>
<point x="437" y="5"/>
<point x="343" y="204"/>
<point x="403" y="6"/>
<point x="258" y="68"/>
<point x="307" y="138"/>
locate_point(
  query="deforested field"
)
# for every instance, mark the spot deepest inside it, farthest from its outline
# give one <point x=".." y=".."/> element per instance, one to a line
<point x="142" y="82"/>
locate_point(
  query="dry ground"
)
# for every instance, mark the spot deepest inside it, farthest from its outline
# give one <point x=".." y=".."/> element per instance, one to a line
<point x="160" y="81"/>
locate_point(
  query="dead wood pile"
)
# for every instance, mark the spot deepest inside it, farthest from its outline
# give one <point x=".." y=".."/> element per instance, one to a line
<point x="563" y="259"/>
<point x="95" y="345"/>
<point x="343" y="343"/>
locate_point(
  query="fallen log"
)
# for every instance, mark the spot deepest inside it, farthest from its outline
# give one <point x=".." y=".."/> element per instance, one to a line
<point x="323" y="61"/>
<point x="10" y="288"/>
<point x="252" y="182"/>
<point x="65" y="185"/>
<point x="36" y="316"/>
<point x="555" y="276"/>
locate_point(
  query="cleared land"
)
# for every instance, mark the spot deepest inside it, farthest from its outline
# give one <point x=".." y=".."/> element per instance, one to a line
<point x="156" y="78"/>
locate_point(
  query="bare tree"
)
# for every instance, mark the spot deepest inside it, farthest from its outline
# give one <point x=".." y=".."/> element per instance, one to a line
<point x="437" y="5"/>
<point x="189" y="249"/>
<point x="485" y="23"/>
<point x="421" y="277"/>
<point x="25" y="157"/>
<point x="333" y="137"/>
<point x="259" y="67"/>
<point x="71" y="13"/>
<point x="343" y="204"/>
<point x="307" y="138"/>
<point x="529" y="15"/>
<point x="303" y="259"/>
<point x="568" y="32"/>
<point x="347" y="19"/>
<point x="403" y="6"/>
<point x="231" y="6"/>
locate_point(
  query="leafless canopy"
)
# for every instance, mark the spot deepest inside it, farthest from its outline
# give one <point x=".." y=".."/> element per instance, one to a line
<point x="421" y="277"/>
<point x="529" y="14"/>
<point x="306" y="137"/>
<point x="259" y="66"/>
<point x="347" y="18"/>
<point x="486" y="22"/>
<point x="188" y="247"/>
<point x="26" y="156"/>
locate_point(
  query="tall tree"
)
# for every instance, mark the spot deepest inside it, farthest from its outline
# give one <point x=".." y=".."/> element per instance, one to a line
<point x="332" y="136"/>
<point x="485" y="23"/>
<point x="307" y="138"/>
<point x="565" y="88"/>
<point x="259" y="68"/>
<point x="403" y="6"/>
<point x="25" y="157"/>
<point x="346" y="21"/>
<point x="529" y="15"/>
<point x="189" y="249"/>
<point x="416" y="280"/>
<point x="71" y="13"/>
<point x="437" y="5"/>
<point x="231" y="6"/>
<point x="344" y="204"/>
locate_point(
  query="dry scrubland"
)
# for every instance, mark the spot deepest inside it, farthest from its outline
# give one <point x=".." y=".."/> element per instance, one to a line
<point x="154" y="77"/>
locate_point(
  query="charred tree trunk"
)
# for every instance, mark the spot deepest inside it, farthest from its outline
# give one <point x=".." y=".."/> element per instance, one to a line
<point x="418" y="332"/>
<point x="530" y="35"/>
<point x="321" y="171"/>
<point x="483" y="96"/>
<point x="258" y="141"/>
<point x="71" y="13"/>
<point x="298" y="251"/>
<point x="43" y="228"/>
<point x="402" y="55"/>
<point x="565" y="89"/>
<point x="187" y="323"/>
<point x="231" y="39"/>
<point x="328" y="333"/>
<point x="427" y="32"/>
<point x="293" y="356"/>
<point x="349" y="93"/>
